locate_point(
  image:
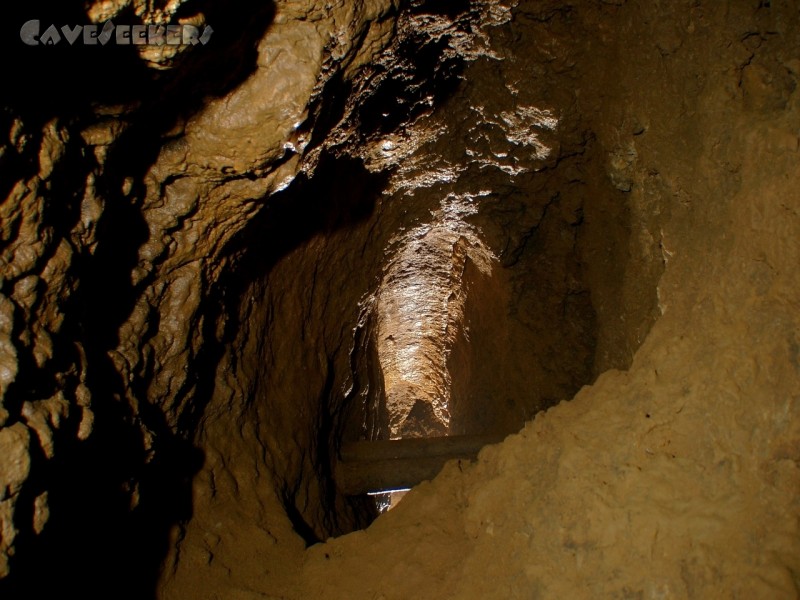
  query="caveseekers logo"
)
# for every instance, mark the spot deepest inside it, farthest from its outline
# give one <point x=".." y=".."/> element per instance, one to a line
<point x="122" y="35"/>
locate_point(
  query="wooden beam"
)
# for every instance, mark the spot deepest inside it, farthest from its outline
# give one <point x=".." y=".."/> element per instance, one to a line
<point x="386" y="465"/>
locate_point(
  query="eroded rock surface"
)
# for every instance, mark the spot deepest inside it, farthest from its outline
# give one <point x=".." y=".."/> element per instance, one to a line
<point x="114" y="222"/>
<point x="373" y="219"/>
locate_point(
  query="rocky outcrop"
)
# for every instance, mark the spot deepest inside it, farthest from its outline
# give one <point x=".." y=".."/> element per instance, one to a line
<point x="114" y="221"/>
<point x="364" y="220"/>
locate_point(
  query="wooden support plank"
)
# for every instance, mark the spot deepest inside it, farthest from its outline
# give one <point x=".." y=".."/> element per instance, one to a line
<point x="455" y="445"/>
<point x="385" y="465"/>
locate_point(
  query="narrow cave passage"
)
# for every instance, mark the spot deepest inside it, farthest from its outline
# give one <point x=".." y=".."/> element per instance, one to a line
<point x="420" y="313"/>
<point x="444" y="281"/>
<point x="420" y="222"/>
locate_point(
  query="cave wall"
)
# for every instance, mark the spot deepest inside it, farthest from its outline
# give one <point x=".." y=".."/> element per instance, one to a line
<point x="620" y="228"/>
<point x="119" y="200"/>
<point x="190" y="295"/>
<point x="675" y="478"/>
<point x="494" y="284"/>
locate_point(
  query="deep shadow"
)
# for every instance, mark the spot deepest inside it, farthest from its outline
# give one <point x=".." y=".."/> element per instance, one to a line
<point x="341" y="194"/>
<point x="94" y="544"/>
<point x="70" y="81"/>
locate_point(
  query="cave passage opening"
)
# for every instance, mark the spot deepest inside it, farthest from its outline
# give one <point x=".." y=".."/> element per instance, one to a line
<point x="455" y="253"/>
<point x="450" y="271"/>
<point x="420" y="306"/>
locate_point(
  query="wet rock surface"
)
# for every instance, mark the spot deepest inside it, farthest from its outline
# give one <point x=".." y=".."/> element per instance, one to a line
<point x="572" y="223"/>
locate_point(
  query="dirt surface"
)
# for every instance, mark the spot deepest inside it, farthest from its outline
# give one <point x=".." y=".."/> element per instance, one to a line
<point x="576" y="224"/>
<point x="679" y="477"/>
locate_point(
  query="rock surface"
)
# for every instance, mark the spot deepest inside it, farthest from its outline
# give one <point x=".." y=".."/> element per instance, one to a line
<point x="381" y="219"/>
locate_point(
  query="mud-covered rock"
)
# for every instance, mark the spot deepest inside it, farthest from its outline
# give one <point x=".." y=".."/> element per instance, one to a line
<point x="573" y="223"/>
